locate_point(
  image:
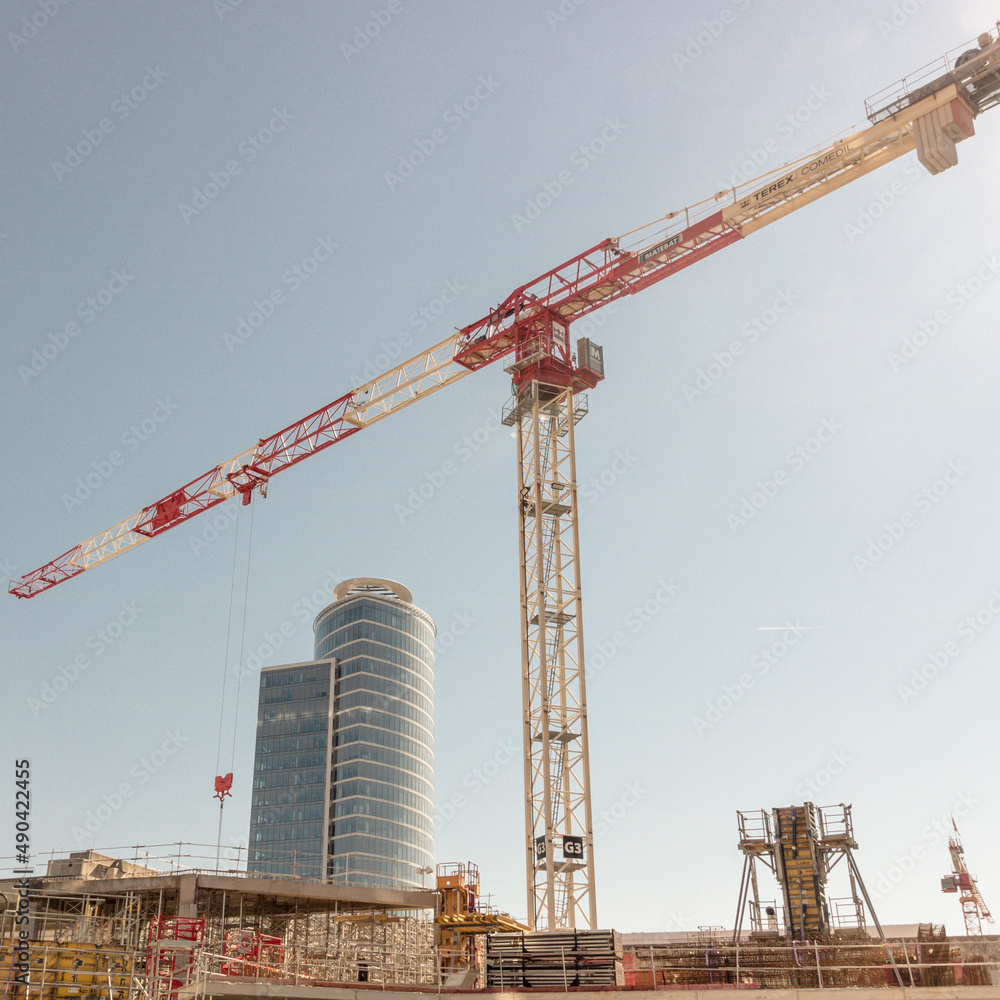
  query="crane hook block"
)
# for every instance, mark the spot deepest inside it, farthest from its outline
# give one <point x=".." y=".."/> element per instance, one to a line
<point x="222" y="785"/>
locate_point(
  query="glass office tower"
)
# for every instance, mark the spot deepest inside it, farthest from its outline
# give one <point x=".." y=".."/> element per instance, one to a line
<point x="344" y="763"/>
<point x="382" y="783"/>
<point x="291" y="779"/>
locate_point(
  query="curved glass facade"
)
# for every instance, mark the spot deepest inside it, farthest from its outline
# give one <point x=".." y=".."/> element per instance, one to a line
<point x="381" y="805"/>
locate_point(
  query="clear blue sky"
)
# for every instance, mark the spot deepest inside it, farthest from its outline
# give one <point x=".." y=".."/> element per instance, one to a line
<point x="169" y="167"/>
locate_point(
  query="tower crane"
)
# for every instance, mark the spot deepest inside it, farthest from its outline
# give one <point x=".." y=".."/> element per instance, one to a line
<point x="974" y="908"/>
<point x="530" y="332"/>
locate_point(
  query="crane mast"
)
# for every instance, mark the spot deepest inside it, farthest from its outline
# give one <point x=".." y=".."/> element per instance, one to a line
<point x="557" y="811"/>
<point x="530" y="330"/>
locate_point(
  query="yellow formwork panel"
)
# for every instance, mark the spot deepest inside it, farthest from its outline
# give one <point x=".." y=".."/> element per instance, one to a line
<point x="70" y="971"/>
<point x="803" y="879"/>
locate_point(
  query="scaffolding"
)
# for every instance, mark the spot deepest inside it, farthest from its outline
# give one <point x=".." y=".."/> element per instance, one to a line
<point x="800" y="846"/>
<point x="463" y="921"/>
<point x="157" y="937"/>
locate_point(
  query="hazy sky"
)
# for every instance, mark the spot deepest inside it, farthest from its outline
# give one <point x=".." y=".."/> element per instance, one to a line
<point x="219" y="216"/>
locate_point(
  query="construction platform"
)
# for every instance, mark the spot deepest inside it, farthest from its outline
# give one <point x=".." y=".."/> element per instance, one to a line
<point x="100" y="929"/>
<point x="134" y="933"/>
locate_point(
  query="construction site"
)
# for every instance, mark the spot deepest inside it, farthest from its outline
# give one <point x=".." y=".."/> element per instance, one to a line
<point x="153" y="924"/>
<point x="164" y="926"/>
<point x="97" y="926"/>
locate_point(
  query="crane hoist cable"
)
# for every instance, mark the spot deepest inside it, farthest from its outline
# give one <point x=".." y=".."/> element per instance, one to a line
<point x="229" y="629"/>
<point x="224" y="782"/>
<point x="243" y="635"/>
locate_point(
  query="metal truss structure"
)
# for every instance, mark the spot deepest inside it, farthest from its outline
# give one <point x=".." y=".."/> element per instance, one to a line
<point x="800" y="846"/>
<point x="974" y="908"/>
<point x="557" y="815"/>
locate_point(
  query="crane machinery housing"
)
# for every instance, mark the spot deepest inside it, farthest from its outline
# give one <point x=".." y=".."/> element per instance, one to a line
<point x="529" y="331"/>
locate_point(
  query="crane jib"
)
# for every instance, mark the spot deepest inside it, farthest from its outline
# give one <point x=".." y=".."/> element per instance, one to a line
<point x="821" y="162"/>
<point x="931" y="119"/>
<point x="660" y="247"/>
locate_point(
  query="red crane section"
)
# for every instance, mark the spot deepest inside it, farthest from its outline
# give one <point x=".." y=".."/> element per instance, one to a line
<point x="579" y="286"/>
<point x="587" y="282"/>
<point x="974" y="908"/>
<point x="248" y="471"/>
<point x="929" y="112"/>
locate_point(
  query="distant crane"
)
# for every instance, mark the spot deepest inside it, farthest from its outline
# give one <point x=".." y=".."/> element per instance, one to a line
<point x="974" y="907"/>
<point x="529" y="331"/>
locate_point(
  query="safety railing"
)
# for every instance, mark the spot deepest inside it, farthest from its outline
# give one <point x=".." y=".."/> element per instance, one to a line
<point x="806" y="965"/>
<point x="897" y="96"/>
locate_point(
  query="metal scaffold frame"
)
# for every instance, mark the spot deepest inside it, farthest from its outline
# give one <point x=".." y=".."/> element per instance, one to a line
<point x="800" y="845"/>
<point x="556" y="752"/>
<point x="90" y="940"/>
